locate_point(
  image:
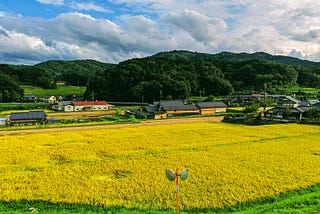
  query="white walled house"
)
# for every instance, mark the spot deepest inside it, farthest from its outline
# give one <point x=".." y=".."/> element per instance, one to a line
<point x="69" y="106"/>
<point x="90" y="105"/>
<point x="50" y="99"/>
<point x="63" y="106"/>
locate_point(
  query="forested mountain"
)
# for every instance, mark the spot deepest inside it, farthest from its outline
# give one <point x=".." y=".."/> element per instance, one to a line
<point x="45" y="75"/>
<point x="228" y="56"/>
<point x="76" y="73"/>
<point x="180" y="74"/>
<point x="12" y="76"/>
<point x="166" y="75"/>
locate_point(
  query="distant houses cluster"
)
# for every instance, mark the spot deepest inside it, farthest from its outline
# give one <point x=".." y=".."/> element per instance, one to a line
<point x="39" y="117"/>
<point x="159" y="110"/>
<point x="170" y="108"/>
<point x="49" y="98"/>
<point x="82" y="106"/>
<point x="286" y="108"/>
<point x="290" y="108"/>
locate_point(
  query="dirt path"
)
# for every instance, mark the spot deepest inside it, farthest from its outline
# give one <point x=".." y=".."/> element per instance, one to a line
<point x="113" y="126"/>
<point x="80" y="114"/>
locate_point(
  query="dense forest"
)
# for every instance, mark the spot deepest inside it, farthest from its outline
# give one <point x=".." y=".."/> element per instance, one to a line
<point x="45" y="75"/>
<point x="166" y="75"/>
<point x="76" y="73"/>
<point x="180" y="74"/>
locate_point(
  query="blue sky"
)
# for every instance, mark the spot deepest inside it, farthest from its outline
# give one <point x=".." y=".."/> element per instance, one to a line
<point x="33" y="31"/>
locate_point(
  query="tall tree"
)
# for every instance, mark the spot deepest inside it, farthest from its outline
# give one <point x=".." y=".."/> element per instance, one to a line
<point x="10" y="90"/>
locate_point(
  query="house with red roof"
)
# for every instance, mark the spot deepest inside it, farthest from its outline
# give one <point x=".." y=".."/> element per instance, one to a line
<point x="82" y="106"/>
<point x="91" y="105"/>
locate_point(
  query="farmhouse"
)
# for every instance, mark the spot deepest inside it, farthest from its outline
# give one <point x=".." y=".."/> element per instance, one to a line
<point x="288" y="102"/>
<point x="52" y="99"/>
<point x="169" y="108"/>
<point x="154" y="112"/>
<point x="30" y="98"/>
<point x="178" y="107"/>
<point x="27" y="118"/>
<point x="63" y="106"/>
<point x="244" y="98"/>
<point x="90" y="105"/>
<point x="82" y="106"/>
<point x="211" y="107"/>
<point x="289" y="108"/>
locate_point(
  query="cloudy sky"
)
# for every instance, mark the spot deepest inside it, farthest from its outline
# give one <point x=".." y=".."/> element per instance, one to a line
<point x="33" y="31"/>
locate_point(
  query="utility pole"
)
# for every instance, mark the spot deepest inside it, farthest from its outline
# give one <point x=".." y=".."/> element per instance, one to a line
<point x="92" y="95"/>
<point x="265" y="91"/>
<point x="265" y="97"/>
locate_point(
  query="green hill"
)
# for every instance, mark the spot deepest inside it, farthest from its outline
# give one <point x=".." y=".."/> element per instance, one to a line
<point x="76" y="73"/>
<point x="181" y="74"/>
<point x="166" y="75"/>
<point x="229" y="56"/>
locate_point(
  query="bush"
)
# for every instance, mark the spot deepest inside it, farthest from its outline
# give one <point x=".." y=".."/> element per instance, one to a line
<point x="132" y="118"/>
<point x="24" y="106"/>
<point x="312" y="114"/>
<point x="252" y="108"/>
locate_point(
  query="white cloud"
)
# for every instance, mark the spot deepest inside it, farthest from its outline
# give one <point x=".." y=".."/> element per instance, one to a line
<point x="204" y="29"/>
<point x="276" y="27"/>
<point x="295" y="53"/>
<point x="22" y="47"/>
<point x="142" y="34"/>
<point x="90" y="6"/>
<point x="80" y="36"/>
<point x="53" y="2"/>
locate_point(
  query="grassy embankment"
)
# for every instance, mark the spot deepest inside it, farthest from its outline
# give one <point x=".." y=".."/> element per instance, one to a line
<point x="61" y="90"/>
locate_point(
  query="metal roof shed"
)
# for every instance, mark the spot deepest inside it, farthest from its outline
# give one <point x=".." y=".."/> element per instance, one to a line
<point x="26" y="118"/>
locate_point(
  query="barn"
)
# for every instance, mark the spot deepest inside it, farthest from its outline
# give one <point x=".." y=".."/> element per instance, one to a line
<point x="178" y="108"/>
<point x="27" y="118"/>
<point x="211" y="107"/>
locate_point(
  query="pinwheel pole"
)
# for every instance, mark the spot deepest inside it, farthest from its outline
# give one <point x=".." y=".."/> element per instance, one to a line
<point x="171" y="175"/>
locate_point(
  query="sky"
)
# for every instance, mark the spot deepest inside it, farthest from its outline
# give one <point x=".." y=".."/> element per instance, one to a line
<point x="111" y="31"/>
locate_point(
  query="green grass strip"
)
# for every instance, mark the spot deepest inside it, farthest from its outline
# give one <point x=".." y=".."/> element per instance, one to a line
<point x="306" y="200"/>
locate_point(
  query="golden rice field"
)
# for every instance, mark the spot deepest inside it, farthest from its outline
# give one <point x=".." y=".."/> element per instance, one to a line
<point x="125" y="166"/>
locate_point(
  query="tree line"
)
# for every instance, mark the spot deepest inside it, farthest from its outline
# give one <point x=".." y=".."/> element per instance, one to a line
<point x="178" y="75"/>
<point x="45" y="75"/>
<point x="13" y="76"/>
<point x="167" y="75"/>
